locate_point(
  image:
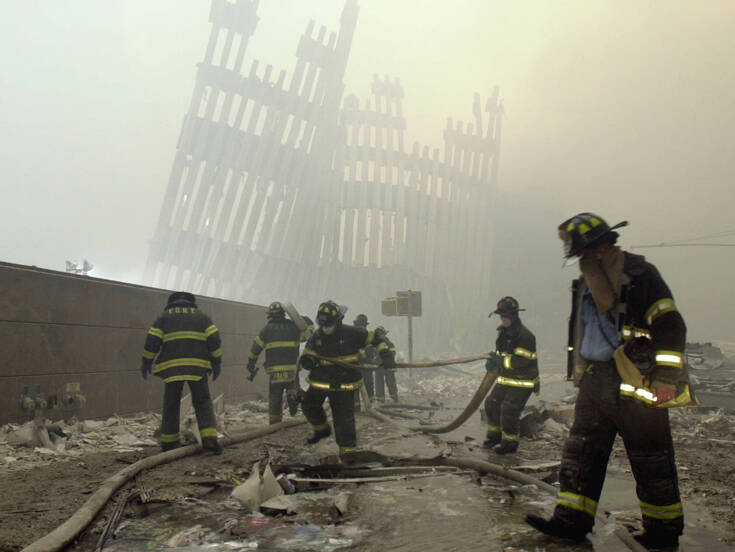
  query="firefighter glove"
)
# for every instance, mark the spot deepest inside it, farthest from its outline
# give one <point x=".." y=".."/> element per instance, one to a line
<point x="307" y="362"/>
<point x="252" y="368"/>
<point x="216" y="369"/>
<point x="492" y="362"/>
<point x="537" y="387"/>
<point x="389" y="361"/>
<point x="145" y="369"/>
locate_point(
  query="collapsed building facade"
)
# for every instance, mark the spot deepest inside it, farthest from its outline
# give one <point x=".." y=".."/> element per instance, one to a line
<point x="284" y="188"/>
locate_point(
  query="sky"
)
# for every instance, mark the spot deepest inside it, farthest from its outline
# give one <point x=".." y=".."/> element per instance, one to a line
<point x="624" y="108"/>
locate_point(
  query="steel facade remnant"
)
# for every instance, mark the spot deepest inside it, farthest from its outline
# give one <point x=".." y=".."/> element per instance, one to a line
<point x="290" y="190"/>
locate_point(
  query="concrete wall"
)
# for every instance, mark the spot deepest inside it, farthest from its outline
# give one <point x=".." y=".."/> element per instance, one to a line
<point x="58" y="329"/>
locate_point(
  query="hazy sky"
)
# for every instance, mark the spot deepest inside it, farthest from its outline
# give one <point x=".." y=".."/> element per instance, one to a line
<point x="621" y="107"/>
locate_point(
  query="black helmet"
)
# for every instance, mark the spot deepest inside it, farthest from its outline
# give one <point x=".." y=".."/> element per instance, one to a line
<point x="275" y="310"/>
<point x="328" y="313"/>
<point x="586" y="230"/>
<point x="361" y="320"/>
<point x="507" y="305"/>
<point x="181" y="296"/>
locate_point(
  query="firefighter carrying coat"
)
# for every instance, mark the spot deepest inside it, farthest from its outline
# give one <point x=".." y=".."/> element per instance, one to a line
<point x="186" y="347"/>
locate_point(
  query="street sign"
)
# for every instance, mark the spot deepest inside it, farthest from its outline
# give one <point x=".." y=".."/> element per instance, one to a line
<point x="405" y="303"/>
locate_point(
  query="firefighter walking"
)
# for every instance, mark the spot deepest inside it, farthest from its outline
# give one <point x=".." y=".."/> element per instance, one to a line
<point x="515" y="359"/>
<point x="334" y="340"/>
<point x="185" y="345"/>
<point x="626" y="347"/>
<point x="280" y="338"/>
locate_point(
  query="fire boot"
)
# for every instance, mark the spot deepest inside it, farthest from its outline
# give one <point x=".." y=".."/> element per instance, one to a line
<point x="319" y="435"/>
<point x="556" y="528"/>
<point x="492" y="440"/>
<point x="507" y="447"/>
<point x="169" y="446"/>
<point x="657" y="541"/>
<point x="293" y="403"/>
<point x="211" y="444"/>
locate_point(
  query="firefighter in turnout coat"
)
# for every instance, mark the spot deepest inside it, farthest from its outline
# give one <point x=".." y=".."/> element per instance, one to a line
<point x="338" y="341"/>
<point x="626" y="345"/>
<point x="183" y="345"/>
<point x="280" y="338"/>
<point x="515" y="359"/>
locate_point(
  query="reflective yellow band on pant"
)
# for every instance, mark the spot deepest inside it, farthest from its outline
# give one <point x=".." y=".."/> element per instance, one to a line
<point x="351" y="386"/>
<point x="321" y="427"/>
<point x="281" y="377"/>
<point x="208" y="431"/>
<point x="198" y="362"/>
<point x="668" y="511"/>
<point x="662" y="306"/>
<point x="502" y="380"/>
<point x="174" y="336"/>
<point x="647" y="396"/>
<point x="525" y="353"/>
<point x="511" y="436"/>
<point x="346" y="450"/>
<point x="493" y="428"/>
<point x="169" y="437"/>
<point x="632" y="331"/>
<point x="182" y="378"/>
<point x="280" y="368"/>
<point x="670" y="358"/>
<point x="577" y="502"/>
<point x="280" y="344"/>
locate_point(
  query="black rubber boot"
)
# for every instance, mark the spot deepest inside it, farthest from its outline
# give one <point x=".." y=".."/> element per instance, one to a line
<point x="657" y="541"/>
<point x="492" y="440"/>
<point x="211" y="444"/>
<point x="556" y="528"/>
<point x="169" y="446"/>
<point x="319" y="435"/>
<point x="507" y="447"/>
<point x="293" y="404"/>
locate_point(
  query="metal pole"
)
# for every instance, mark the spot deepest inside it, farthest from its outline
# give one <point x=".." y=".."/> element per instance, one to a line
<point x="410" y="344"/>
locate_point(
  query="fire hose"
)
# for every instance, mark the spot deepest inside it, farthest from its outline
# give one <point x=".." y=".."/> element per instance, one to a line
<point x="482" y="390"/>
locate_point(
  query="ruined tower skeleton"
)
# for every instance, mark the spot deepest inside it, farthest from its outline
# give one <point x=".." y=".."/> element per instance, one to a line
<point x="283" y="188"/>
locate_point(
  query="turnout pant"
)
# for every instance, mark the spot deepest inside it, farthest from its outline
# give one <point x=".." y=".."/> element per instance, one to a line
<point x="599" y="415"/>
<point x="382" y="378"/>
<point x="279" y="383"/>
<point x="343" y="414"/>
<point x="203" y="408"/>
<point x="503" y="408"/>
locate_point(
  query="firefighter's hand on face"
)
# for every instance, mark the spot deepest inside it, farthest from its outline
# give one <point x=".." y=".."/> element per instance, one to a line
<point x="252" y="368"/>
<point x="491" y="363"/>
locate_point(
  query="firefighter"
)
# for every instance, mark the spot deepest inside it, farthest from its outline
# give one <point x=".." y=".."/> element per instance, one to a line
<point x="185" y="345"/>
<point x="335" y="340"/>
<point x="280" y="338"/>
<point x="515" y="358"/>
<point x="626" y="348"/>
<point x="361" y="321"/>
<point x="384" y="377"/>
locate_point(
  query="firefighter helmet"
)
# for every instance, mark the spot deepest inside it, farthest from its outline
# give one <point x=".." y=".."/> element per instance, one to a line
<point x="328" y="313"/>
<point x="275" y="310"/>
<point x="507" y="305"/>
<point x="181" y="296"/>
<point x="586" y="230"/>
<point x="361" y="320"/>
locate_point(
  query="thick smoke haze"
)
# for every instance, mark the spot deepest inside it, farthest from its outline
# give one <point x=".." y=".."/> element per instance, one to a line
<point x="621" y="108"/>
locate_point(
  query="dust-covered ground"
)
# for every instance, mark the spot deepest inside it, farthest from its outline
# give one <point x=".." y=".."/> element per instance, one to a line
<point x="41" y="489"/>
